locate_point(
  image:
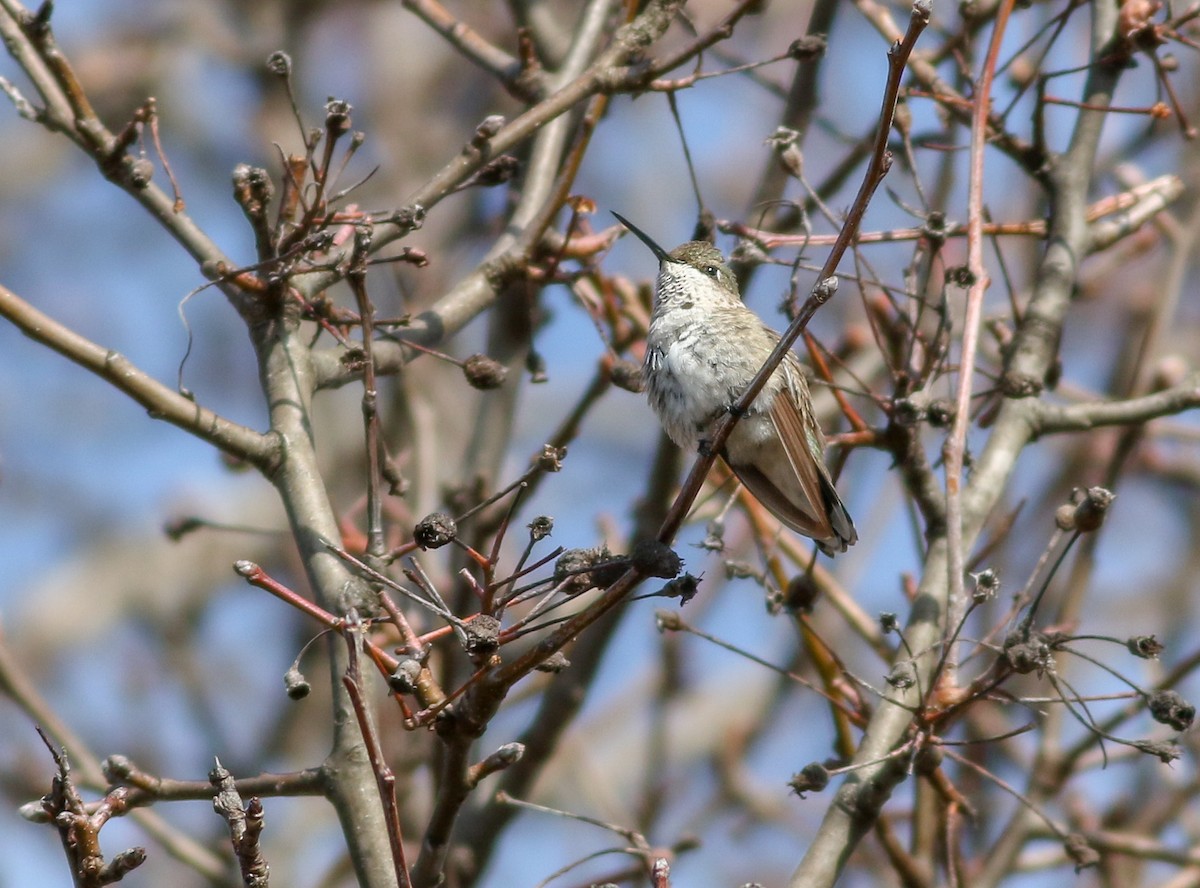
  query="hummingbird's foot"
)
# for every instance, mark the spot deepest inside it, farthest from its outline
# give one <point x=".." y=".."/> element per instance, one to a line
<point x="735" y="411"/>
<point x="704" y="448"/>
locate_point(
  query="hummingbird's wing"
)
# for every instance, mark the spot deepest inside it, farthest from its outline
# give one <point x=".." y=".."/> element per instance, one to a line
<point x="799" y="490"/>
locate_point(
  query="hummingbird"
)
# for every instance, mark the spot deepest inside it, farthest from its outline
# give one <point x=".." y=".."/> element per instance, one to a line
<point x="702" y="349"/>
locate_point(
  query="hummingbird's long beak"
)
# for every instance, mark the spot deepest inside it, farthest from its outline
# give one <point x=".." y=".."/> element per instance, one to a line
<point x="644" y="238"/>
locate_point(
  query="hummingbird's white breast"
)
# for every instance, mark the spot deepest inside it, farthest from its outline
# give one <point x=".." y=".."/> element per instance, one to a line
<point x="702" y="349"/>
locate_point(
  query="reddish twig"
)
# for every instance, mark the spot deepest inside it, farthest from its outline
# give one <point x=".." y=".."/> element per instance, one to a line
<point x="954" y="449"/>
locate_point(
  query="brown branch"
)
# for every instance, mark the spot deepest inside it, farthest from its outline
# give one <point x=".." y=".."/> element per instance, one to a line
<point x="470" y="43"/>
<point x="1048" y="419"/>
<point x="121" y="771"/>
<point x="67" y="110"/>
<point x="385" y="779"/>
<point x="1131" y="210"/>
<point x="612" y="71"/>
<point x="245" y="826"/>
<point x="955" y="446"/>
<point x="18" y="687"/>
<point x="261" y="451"/>
<point x="955" y="104"/>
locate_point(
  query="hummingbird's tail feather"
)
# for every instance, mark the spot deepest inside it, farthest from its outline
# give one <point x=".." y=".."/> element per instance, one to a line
<point x="830" y="528"/>
<point x="791" y="510"/>
<point x="839" y="518"/>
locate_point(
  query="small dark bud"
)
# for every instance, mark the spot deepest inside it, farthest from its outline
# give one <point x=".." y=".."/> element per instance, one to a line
<point x="813" y="778"/>
<point x="987" y="585"/>
<point x="337" y="116"/>
<point x="320" y="242"/>
<point x="551" y="458"/>
<point x="627" y="375"/>
<point x="279" y="63"/>
<point x="889" y="623"/>
<point x="497" y="171"/>
<point x="403" y="679"/>
<point x="484" y="373"/>
<point x="1081" y="853"/>
<point x="1091" y="508"/>
<point x="578" y="570"/>
<point x="1147" y="647"/>
<point x="810" y="46"/>
<point x="540" y="528"/>
<point x="1170" y="708"/>
<point x="1025" y="655"/>
<point x="928" y="759"/>
<point x="684" y="588"/>
<point x="940" y="413"/>
<point x="651" y="558"/>
<point x="482" y="635"/>
<point x="1166" y="751"/>
<point x="409" y="218"/>
<point x="826" y="289"/>
<point x="960" y="276"/>
<point x="434" y="531"/>
<point x="906" y="412"/>
<point x="902" y="676"/>
<point x="801" y="593"/>
<point x="554" y="663"/>
<point x="296" y="684"/>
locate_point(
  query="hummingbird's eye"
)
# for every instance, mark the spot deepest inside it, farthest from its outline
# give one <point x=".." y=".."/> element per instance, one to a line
<point x="710" y="270"/>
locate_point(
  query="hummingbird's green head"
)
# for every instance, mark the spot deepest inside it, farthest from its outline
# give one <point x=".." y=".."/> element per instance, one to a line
<point x="706" y="259"/>
<point x="699" y="261"/>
